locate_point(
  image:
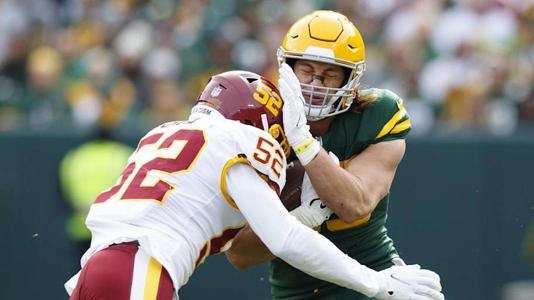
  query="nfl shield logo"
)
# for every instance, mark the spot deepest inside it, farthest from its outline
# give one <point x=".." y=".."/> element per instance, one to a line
<point x="216" y="91"/>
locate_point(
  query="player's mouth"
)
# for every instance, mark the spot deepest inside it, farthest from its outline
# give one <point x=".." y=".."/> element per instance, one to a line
<point x="316" y="98"/>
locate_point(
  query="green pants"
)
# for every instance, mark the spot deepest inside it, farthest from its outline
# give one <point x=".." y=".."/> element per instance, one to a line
<point x="330" y="292"/>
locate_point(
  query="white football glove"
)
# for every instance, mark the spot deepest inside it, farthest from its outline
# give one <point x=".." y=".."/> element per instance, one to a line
<point x="409" y="283"/>
<point x="312" y="212"/>
<point x="333" y="157"/>
<point x="294" y="119"/>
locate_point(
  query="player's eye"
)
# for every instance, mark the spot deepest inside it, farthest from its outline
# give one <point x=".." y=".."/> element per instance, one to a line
<point x="307" y="72"/>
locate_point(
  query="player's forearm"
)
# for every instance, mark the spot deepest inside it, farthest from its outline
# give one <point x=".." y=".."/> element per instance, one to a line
<point x="341" y="191"/>
<point x="315" y="255"/>
<point x="288" y="239"/>
<point x="247" y="250"/>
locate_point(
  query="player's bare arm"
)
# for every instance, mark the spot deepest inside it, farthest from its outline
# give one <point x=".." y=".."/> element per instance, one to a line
<point x="353" y="193"/>
<point x="247" y="250"/>
<point x="298" y="197"/>
<point x="312" y="253"/>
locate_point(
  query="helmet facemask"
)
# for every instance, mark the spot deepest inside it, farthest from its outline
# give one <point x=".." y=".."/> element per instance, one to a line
<point x="334" y="100"/>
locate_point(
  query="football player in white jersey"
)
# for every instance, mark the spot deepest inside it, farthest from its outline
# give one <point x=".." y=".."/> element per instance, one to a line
<point x="190" y="186"/>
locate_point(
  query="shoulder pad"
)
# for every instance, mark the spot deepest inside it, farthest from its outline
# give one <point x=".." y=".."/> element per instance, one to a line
<point x="388" y="113"/>
<point x="263" y="153"/>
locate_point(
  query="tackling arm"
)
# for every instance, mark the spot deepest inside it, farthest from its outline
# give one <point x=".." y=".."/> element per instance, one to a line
<point x="293" y="242"/>
<point x="352" y="193"/>
<point x="315" y="255"/>
<point x="247" y="250"/>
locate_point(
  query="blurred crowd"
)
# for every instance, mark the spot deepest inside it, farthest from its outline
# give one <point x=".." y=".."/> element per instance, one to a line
<point x="463" y="67"/>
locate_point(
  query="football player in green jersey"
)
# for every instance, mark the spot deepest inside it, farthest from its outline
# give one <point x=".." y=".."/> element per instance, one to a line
<point x="322" y="59"/>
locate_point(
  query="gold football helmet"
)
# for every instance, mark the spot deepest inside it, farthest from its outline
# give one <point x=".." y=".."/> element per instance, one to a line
<point x="328" y="37"/>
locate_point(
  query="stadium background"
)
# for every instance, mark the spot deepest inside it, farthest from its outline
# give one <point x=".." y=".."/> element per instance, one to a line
<point x="76" y="71"/>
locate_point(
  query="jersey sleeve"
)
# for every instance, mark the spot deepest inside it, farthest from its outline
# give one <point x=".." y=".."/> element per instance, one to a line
<point x="263" y="154"/>
<point x="386" y="119"/>
<point x="287" y="238"/>
<point x="266" y="157"/>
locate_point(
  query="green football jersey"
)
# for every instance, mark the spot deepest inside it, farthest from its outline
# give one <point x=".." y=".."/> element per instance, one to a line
<point x="366" y="240"/>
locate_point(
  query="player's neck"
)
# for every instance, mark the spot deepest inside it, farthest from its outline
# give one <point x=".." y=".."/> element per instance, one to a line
<point x="320" y="127"/>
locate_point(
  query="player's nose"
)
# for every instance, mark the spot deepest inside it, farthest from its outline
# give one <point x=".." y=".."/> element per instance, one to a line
<point x="317" y="80"/>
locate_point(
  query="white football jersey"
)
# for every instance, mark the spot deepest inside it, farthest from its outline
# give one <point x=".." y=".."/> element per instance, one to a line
<point x="172" y="197"/>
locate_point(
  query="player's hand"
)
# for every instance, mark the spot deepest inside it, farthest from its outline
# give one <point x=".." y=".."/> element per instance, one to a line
<point x="333" y="157"/>
<point x="308" y="193"/>
<point x="409" y="283"/>
<point x="294" y="119"/>
<point x="312" y="212"/>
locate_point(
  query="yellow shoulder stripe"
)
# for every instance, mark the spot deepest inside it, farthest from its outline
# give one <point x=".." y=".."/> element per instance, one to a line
<point x="391" y="123"/>
<point x="401" y="126"/>
<point x="228" y="164"/>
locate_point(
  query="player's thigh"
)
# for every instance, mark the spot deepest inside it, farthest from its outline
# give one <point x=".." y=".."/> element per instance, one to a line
<point x="123" y="271"/>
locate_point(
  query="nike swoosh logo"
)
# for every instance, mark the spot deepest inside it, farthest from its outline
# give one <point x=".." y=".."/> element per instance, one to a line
<point x="315" y="199"/>
<point x="320" y="205"/>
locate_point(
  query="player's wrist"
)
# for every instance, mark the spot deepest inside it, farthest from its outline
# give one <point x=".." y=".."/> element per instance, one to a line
<point x="364" y="279"/>
<point x="382" y="286"/>
<point x="306" y="149"/>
